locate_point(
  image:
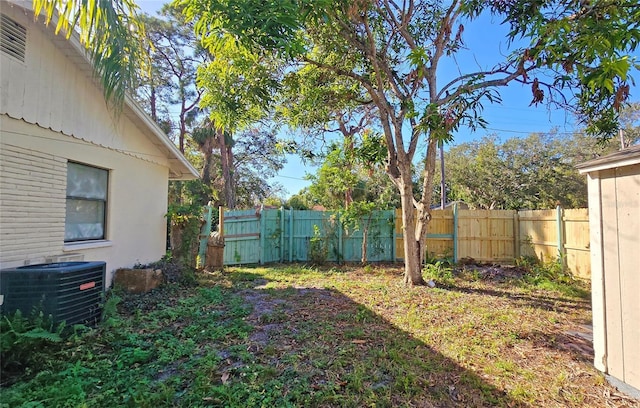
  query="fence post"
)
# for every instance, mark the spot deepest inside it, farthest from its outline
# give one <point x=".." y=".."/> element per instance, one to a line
<point x="263" y="232"/>
<point x="393" y="236"/>
<point x="221" y="220"/>
<point x="340" y="255"/>
<point x="516" y="235"/>
<point x="455" y="232"/>
<point x="281" y="234"/>
<point x="291" y="235"/>
<point x="559" y="224"/>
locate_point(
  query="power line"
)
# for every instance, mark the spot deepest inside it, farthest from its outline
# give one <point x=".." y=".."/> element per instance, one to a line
<point x="293" y="178"/>
<point x="529" y="132"/>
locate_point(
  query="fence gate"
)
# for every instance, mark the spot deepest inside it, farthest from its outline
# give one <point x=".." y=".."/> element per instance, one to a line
<point x="241" y="237"/>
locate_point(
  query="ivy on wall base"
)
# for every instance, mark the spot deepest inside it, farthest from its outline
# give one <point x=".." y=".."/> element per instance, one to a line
<point x="185" y="222"/>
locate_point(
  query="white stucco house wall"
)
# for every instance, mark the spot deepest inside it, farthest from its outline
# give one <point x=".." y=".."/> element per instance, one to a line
<point x="77" y="182"/>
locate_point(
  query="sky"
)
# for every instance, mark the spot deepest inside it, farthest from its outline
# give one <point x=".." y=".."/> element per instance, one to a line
<point x="485" y="41"/>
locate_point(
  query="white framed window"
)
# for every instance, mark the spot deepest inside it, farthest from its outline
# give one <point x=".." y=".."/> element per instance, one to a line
<point x="86" y="203"/>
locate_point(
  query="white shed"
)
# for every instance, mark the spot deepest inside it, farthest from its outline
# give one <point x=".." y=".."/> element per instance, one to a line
<point x="614" y="222"/>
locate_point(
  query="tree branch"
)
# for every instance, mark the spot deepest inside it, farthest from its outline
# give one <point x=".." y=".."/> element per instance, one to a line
<point x="485" y="84"/>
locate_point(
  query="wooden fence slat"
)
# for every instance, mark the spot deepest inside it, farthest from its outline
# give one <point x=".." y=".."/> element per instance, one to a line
<point x="503" y="236"/>
<point x="273" y="235"/>
<point x="485" y="235"/>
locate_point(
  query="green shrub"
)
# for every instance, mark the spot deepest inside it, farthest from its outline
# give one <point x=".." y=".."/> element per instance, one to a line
<point x="439" y="271"/>
<point x="174" y="270"/>
<point x="318" y="247"/>
<point x="551" y="270"/>
<point x="185" y="223"/>
<point x="25" y="341"/>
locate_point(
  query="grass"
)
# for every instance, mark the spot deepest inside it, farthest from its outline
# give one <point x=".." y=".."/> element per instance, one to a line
<point x="294" y="336"/>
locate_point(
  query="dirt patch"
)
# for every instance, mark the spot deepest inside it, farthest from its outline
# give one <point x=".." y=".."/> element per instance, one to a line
<point x="494" y="272"/>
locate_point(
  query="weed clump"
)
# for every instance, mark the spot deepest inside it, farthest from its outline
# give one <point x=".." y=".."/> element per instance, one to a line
<point x="26" y="342"/>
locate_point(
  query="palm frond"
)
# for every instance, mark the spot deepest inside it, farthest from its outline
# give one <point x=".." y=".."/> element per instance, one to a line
<point x="111" y="31"/>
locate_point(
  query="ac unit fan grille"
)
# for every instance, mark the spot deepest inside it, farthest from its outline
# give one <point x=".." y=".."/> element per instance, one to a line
<point x="68" y="291"/>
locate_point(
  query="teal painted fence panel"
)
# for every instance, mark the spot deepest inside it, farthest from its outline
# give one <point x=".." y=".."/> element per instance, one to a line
<point x="303" y="231"/>
<point x="241" y="237"/>
<point x="271" y="242"/>
<point x="380" y="239"/>
<point x="283" y="235"/>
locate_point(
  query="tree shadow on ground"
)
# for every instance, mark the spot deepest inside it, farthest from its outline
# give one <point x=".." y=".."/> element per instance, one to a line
<point x="527" y="299"/>
<point x="313" y="346"/>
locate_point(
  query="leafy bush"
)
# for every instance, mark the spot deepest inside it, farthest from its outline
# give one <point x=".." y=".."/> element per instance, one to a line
<point x="173" y="270"/>
<point x="318" y="247"/>
<point x="552" y="275"/>
<point x="551" y="270"/>
<point x="185" y="221"/>
<point x="25" y="341"/>
<point x="440" y="271"/>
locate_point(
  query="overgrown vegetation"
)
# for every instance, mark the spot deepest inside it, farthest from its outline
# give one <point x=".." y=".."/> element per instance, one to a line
<point x="305" y="336"/>
<point x="185" y="221"/>
<point x="318" y="248"/>
<point x="25" y="341"/>
<point x="173" y="270"/>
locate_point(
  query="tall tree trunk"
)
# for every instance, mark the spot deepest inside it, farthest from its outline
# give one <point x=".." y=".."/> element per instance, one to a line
<point x="207" y="152"/>
<point x="348" y="197"/>
<point x="153" y="103"/>
<point x="183" y="131"/>
<point x="412" y="246"/>
<point x="229" y="181"/>
<point x="349" y="146"/>
<point x="226" y="161"/>
<point x="424" y="205"/>
<point x="365" y="239"/>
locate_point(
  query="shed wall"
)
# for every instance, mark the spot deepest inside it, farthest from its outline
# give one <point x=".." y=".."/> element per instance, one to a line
<point x="614" y="201"/>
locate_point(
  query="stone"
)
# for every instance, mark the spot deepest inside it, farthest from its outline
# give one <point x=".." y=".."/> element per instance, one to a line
<point x="138" y="280"/>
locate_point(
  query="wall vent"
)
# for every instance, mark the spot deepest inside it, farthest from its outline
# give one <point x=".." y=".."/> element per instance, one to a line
<point x="13" y="38"/>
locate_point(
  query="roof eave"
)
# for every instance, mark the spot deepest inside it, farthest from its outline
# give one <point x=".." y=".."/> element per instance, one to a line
<point x="627" y="157"/>
<point x="179" y="167"/>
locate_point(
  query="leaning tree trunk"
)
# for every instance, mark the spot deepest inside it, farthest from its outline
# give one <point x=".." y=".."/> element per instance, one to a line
<point x="229" y="181"/>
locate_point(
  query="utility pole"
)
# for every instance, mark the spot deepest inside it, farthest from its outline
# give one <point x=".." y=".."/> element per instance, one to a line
<point x="443" y="191"/>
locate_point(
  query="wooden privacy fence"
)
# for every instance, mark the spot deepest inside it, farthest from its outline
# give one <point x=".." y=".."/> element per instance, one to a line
<point x="279" y="235"/>
<point x="562" y="233"/>
<point x="504" y="235"/>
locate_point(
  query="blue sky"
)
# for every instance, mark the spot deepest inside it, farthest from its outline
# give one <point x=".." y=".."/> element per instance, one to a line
<point x="485" y="41"/>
